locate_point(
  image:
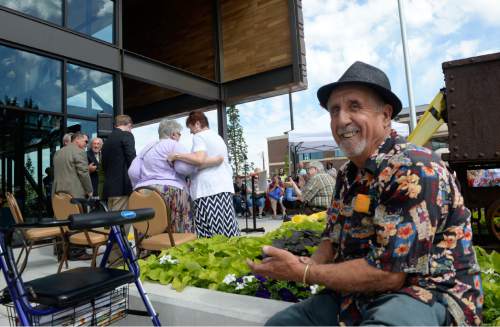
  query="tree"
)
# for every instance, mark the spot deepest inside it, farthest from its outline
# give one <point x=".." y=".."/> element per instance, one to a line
<point x="237" y="145"/>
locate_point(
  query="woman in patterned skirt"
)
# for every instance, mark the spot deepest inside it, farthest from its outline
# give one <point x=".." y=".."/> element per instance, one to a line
<point x="211" y="188"/>
<point x="170" y="180"/>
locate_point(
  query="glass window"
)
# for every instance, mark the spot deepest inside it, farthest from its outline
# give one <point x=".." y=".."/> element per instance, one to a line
<point x="31" y="164"/>
<point x="28" y="80"/>
<point x="316" y="155"/>
<point x="89" y="91"/>
<point x="92" y="17"/>
<point x="85" y="126"/>
<point x="49" y="10"/>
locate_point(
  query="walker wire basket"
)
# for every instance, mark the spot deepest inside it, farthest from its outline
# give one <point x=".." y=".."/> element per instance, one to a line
<point x="101" y="311"/>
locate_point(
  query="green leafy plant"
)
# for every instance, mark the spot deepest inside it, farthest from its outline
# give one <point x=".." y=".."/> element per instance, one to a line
<point x="490" y="275"/>
<point x="205" y="263"/>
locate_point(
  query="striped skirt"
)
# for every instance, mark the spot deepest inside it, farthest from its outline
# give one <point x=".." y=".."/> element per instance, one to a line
<point x="214" y="215"/>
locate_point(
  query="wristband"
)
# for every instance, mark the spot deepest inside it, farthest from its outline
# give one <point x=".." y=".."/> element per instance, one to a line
<point x="306" y="271"/>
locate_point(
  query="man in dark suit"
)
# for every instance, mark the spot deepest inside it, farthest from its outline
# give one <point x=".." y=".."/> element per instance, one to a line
<point x="94" y="157"/>
<point x="117" y="155"/>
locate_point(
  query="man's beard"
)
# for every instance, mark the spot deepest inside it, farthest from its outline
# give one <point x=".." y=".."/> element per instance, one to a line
<point x="349" y="146"/>
<point x="351" y="150"/>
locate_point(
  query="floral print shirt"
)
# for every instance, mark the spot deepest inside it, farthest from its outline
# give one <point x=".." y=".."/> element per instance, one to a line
<point x="403" y="212"/>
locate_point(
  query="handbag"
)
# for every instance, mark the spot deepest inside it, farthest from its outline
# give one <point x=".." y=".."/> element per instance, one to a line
<point x="275" y="194"/>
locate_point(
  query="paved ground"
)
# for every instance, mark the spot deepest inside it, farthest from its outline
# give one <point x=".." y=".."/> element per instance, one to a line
<point x="43" y="262"/>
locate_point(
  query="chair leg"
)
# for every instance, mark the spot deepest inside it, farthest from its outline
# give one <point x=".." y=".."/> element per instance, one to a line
<point x="94" y="256"/>
<point x="61" y="259"/>
<point x="64" y="258"/>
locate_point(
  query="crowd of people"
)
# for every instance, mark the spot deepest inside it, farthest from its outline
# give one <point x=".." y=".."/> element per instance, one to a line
<point x="196" y="184"/>
<point x="310" y="189"/>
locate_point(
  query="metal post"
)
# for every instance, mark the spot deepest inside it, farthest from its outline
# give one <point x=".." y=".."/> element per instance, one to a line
<point x="222" y="120"/>
<point x="409" y="85"/>
<point x="290" y="102"/>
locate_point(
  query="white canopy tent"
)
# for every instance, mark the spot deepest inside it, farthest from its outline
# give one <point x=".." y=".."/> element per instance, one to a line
<point x="322" y="139"/>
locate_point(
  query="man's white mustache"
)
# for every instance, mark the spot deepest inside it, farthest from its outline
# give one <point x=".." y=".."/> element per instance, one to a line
<point x="350" y="129"/>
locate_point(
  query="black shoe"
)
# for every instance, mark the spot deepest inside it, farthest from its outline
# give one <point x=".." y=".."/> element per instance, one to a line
<point x="82" y="257"/>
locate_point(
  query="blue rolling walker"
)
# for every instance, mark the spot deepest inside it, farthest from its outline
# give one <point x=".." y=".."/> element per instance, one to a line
<point x="54" y="293"/>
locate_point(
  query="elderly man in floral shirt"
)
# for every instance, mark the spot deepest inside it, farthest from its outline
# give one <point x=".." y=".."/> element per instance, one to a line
<point x="397" y="247"/>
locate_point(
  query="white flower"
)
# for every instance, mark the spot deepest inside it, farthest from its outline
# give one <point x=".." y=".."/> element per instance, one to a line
<point x="168" y="258"/>
<point x="314" y="288"/>
<point x="229" y="279"/>
<point x="240" y="286"/>
<point x="490" y="271"/>
<point x="248" y="279"/>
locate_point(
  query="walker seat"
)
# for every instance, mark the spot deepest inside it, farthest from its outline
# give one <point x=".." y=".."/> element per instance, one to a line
<point x="76" y="286"/>
<point x="72" y="288"/>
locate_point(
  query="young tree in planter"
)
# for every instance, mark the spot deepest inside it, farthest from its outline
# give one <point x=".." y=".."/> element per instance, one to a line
<point x="237" y="145"/>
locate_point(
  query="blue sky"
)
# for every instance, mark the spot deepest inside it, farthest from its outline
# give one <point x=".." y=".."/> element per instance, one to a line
<point x="339" y="32"/>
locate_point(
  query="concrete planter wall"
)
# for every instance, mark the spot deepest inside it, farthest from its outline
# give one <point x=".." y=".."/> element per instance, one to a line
<point x="197" y="306"/>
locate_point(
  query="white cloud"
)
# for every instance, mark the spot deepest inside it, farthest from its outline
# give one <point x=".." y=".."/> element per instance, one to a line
<point x="463" y="49"/>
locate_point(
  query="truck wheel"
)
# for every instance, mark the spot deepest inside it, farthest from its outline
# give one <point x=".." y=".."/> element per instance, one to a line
<point x="493" y="219"/>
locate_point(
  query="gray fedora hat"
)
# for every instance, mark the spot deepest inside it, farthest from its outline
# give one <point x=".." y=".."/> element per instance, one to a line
<point x="363" y="74"/>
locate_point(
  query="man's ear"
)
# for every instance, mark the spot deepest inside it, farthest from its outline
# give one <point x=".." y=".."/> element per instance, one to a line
<point x="387" y="112"/>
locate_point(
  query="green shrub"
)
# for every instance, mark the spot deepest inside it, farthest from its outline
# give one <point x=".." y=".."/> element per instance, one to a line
<point x="490" y="275"/>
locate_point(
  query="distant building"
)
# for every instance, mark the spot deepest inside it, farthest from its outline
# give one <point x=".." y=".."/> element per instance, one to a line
<point x="278" y="150"/>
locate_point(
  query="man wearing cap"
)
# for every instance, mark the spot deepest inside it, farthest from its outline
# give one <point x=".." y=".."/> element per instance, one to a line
<point x="319" y="189"/>
<point x="397" y="246"/>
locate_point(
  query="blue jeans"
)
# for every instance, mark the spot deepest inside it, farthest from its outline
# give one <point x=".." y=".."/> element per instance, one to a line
<point x="237" y="204"/>
<point x="387" y="309"/>
<point x="260" y="202"/>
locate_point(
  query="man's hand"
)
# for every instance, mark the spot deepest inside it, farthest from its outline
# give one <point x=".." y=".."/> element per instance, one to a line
<point x="92" y="167"/>
<point x="279" y="264"/>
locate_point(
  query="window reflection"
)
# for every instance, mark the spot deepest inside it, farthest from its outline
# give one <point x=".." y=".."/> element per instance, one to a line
<point x="28" y="137"/>
<point x="85" y="126"/>
<point x="89" y="91"/>
<point x="30" y="81"/>
<point x="49" y="10"/>
<point x="92" y="17"/>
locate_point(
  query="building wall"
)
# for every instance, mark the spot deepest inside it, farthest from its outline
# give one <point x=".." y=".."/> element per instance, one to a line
<point x="172" y="32"/>
<point x="255" y="36"/>
<point x="277" y="150"/>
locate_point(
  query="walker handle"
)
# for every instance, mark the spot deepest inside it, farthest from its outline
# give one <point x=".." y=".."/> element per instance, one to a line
<point x="108" y="219"/>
